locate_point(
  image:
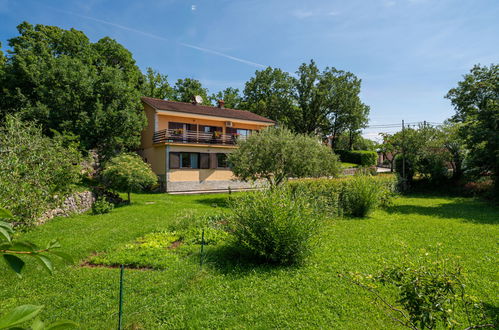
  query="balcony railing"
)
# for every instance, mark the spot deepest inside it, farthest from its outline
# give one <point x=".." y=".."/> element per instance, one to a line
<point x="187" y="136"/>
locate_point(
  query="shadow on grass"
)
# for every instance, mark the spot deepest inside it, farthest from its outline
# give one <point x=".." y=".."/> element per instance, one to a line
<point x="233" y="260"/>
<point x="213" y="201"/>
<point x="468" y="210"/>
<point x="492" y="312"/>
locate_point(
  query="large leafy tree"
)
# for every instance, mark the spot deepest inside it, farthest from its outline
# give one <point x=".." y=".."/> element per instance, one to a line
<point x="156" y="85"/>
<point x="66" y="83"/>
<point x="270" y="94"/>
<point x="231" y="97"/>
<point x="185" y="89"/>
<point x="476" y="101"/>
<point x="276" y="154"/>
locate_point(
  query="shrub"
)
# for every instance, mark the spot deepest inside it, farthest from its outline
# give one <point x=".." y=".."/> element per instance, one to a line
<point x="127" y="173"/>
<point x="360" y="157"/>
<point x="361" y="196"/>
<point x="102" y="206"/>
<point x="36" y="172"/>
<point x="276" y="224"/>
<point x="334" y="196"/>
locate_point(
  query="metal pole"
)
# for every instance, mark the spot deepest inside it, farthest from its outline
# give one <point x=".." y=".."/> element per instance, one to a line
<point x="120" y="313"/>
<point x="403" y="155"/>
<point x="202" y="248"/>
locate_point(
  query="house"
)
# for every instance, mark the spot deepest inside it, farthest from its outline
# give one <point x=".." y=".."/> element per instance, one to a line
<point x="187" y="143"/>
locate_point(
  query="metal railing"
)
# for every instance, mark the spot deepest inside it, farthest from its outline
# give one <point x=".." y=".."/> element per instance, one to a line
<point x="188" y="136"/>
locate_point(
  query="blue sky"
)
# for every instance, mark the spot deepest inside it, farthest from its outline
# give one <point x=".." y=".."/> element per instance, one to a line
<point x="408" y="53"/>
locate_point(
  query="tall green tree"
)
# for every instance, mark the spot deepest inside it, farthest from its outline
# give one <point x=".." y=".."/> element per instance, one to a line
<point x="344" y="109"/>
<point x="310" y="97"/>
<point x="476" y="101"/>
<point x="231" y="97"/>
<point x="156" y="85"/>
<point x="270" y="94"/>
<point x="185" y="89"/>
<point x="66" y="83"/>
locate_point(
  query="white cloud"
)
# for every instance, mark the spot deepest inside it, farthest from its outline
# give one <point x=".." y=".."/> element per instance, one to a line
<point x="193" y="7"/>
<point x="301" y="14"/>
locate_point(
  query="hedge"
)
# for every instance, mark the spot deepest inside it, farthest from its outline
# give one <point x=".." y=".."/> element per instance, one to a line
<point x="332" y="195"/>
<point x="360" y="157"/>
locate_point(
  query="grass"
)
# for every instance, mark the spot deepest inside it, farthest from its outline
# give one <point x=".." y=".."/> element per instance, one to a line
<point x="348" y="165"/>
<point x="232" y="293"/>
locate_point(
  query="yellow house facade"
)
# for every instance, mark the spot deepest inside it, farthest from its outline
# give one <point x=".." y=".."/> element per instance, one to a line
<point x="187" y="143"/>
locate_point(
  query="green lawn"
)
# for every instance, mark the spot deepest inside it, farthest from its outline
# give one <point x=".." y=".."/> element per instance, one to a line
<point x="234" y="294"/>
<point x="348" y="165"/>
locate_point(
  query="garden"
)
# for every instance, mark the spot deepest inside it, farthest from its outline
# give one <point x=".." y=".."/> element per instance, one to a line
<point x="165" y="286"/>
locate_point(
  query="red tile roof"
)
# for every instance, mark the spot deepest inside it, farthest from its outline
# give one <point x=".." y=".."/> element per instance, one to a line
<point x="203" y="110"/>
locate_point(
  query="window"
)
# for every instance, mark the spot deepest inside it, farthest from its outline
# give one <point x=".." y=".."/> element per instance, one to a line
<point x="222" y="161"/>
<point x="189" y="160"/>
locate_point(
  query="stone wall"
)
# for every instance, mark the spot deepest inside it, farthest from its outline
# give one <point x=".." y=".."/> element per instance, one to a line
<point x="76" y="203"/>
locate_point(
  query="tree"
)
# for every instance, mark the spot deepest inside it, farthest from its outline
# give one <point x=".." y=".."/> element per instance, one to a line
<point x="185" y="89"/>
<point x="128" y="173"/>
<point x="451" y="140"/>
<point x="68" y="84"/>
<point x="391" y="147"/>
<point x="476" y="101"/>
<point x="36" y="172"/>
<point x="344" y="109"/>
<point x="276" y="154"/>
<point x="156" y="85"/>
<point x="270" y="94"/>
<point x="311" y="116"/>
<point x="231" y="97"/>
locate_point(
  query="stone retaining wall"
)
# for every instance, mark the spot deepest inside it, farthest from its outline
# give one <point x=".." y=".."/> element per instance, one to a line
<point x="76" y="203"/>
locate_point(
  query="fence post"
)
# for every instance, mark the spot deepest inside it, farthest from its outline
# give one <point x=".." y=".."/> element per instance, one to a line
<point x="202" y="249"/>
<point x="120" y="312"/>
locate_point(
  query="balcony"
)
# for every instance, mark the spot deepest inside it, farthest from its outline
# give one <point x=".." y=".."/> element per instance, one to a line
<point x="188" y="136"/>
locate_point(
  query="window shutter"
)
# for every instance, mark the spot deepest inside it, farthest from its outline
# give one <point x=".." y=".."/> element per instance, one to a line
<point x="174" y="160"/>
<point x="213" y="160"/>
<point x="204" y="160"/>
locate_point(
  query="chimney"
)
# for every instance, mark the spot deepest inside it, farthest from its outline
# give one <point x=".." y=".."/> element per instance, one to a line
<point x="221" y="104"/>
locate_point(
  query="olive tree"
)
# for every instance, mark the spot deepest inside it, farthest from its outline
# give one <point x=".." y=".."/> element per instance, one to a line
<point x="276" y="154"/>
<point x="128" y="173"/>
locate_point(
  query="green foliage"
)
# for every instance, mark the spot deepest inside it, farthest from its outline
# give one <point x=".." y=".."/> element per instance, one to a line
<point x="102" y="206"/>
<point x="156" y="85"/>
<point x="276" y="154"/>
<point x="270" y="94"/>
<point x="360" y="157"/>
<point x="476" y="101"/>
<point x="11" y="250"/>
<point x="275" y="225"/>
<point x="164" y="249"/>
<point x="355" y="141"/>
<point x="355" y="196"/>
<point x="127" y="173"/>
<point x="315" y="102"/>
<point x="69" y="84"/>
<point x="36" y="172"/>
<point x="230" y="96"/>
<point x="185" y="89"/>
<point x="361" y="196"/>
<point x="431" y="293"/>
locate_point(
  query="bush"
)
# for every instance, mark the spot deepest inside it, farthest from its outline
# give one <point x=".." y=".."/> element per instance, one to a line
<point x="361" y="196"/>
<point x="276" y="224"/>
<point x="36" y="172"/>
<point x="127" y="173"/>
<point x="334" y="196"/>
<point x="102" y="206"/>
<point x="360" y="157"/>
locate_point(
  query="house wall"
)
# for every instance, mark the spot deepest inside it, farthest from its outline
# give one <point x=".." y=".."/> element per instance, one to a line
<point x="148" y="132"/>
<point x="156" y="156"/>
<point x="163" y="121"/>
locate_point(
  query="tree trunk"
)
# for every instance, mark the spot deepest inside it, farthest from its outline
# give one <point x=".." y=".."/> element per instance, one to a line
<point x="128" y="197"/>
<point x="350" y="141"/>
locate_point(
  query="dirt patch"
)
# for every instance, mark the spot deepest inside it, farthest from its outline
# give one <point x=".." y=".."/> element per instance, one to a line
<point x="87" y="264"/>
<point x="175" y="245"/>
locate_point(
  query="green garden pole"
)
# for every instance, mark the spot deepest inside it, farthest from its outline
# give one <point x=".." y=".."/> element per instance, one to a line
<point x="202" y="248"/>
<point x="120" y="312"/>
